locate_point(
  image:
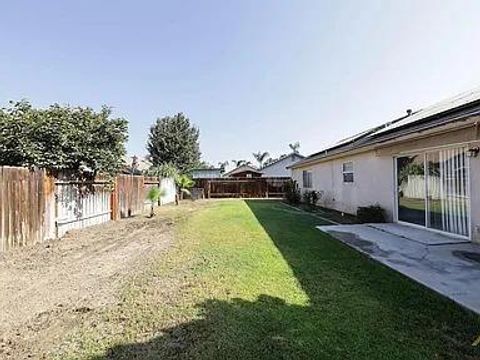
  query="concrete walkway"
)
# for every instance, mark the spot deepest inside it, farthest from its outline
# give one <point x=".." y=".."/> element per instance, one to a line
<point x="448" y="265"/>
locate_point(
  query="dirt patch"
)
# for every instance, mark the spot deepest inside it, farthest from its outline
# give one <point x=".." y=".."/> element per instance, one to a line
<point x="48" y="288"/>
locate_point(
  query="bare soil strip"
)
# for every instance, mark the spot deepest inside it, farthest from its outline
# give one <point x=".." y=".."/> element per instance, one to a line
<point x="47" y="289"/>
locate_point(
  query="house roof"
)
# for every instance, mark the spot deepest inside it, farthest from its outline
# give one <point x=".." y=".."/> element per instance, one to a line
<point x="207" y="169"/>
<point x="242" y="168"/>
<point x="284" y="158"/>
<point x="446" y="111"/>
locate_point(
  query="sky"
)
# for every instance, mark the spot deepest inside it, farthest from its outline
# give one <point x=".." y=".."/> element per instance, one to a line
<point x="251" y="75"/>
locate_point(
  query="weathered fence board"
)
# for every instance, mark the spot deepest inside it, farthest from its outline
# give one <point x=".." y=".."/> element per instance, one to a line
<point x="80" y="204"/>
<point x="130" y="194"/>
<point x="261" y="187"/>
<point x="35" y="206"/>
<point x="26" y="207"/>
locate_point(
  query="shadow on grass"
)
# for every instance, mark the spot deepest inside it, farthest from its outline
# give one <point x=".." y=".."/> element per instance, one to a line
<point x="358" y="310"/>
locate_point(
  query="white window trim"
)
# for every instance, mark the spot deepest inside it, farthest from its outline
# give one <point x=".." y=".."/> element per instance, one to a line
<point x="348" y="172"/>
<point x="309" y="184"/>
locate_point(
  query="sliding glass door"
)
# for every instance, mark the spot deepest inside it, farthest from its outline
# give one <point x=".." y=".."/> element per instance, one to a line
<point x="433" y="190"/>
<point x="411" y="189"/>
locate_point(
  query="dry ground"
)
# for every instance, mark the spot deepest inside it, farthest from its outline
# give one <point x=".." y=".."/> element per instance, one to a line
<point x="52" y="287"/>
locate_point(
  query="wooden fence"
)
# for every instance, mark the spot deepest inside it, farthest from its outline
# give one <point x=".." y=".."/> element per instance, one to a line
<point x="26" y="207"/>
<point x="35" y="206"/>
<point x="80" y="205"/>
<point x="262" y="187"/>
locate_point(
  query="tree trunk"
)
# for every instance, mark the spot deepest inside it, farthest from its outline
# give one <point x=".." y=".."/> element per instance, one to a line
<point x="152" y="213"/>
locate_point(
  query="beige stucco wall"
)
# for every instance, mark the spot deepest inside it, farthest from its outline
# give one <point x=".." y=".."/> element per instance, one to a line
<point x="374" y="174"/>
<point x="373" y="182"/>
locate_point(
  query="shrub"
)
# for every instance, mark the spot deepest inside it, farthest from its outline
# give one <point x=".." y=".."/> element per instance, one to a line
<point x="184" y="184"/>
<point x="292" y="192"/>
<point x="311" y="197"/>
<point x="371" y="214"/>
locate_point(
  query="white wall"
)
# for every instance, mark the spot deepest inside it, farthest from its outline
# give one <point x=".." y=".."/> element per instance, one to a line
<point x="374" y="174"/>
<point x="170" y="190"/>
<point x="280" y="167"/>
<point x="373" y="183"/>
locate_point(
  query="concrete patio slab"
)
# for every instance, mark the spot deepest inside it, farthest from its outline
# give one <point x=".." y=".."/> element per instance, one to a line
<point x="419" y="235"/>
<point x="451" y="269"/>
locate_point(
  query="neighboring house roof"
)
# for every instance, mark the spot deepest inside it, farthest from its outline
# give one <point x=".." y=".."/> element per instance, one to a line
<point x="242" y="168"/>
<point x="453" y="109"/>
<point x="207" y="169"/>
<point x="284" y="158"/>
<point x="214" y="172"/>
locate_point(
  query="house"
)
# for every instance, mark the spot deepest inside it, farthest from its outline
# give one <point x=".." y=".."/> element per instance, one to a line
<point x="244" y="171"/>
<point x="206" y="173"/>
<point x="280" y="167"/>
<point x="422" y="168"/>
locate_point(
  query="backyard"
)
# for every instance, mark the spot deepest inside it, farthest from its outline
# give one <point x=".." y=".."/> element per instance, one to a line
<point x="223" y="279"/>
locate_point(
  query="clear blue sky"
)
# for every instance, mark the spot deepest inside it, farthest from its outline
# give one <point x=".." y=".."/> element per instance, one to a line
<point x="252" y="75"/>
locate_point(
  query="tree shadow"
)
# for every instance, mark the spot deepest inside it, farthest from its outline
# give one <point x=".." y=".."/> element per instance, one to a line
<point x="267" y="328"/>
<point x="357" y="310"/>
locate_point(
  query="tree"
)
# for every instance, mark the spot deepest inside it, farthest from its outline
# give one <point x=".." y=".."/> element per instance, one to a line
<point x="204" y="165"/>
<point x="295" y="147"/>
<point x="184" y="184"/>
<point x="154" y="195"/>
<point x="174" y="140"/>
<point x="222" y="165"/>
<point x="62" y="138"/>
<point x="238" y="163"/>
<point x="163" y="170"/>
<point x="261" y="157"/>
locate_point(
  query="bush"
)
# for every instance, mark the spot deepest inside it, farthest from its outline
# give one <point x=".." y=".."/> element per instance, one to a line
<point x="292" y="192"/>
<point x="371" y="214"/>
<point x="311" y="197"/>
<point x="62" y="138"/>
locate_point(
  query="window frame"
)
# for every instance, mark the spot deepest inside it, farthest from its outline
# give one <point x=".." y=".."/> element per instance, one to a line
<point x="307" y="174"/>
<point x="346" y="173"/>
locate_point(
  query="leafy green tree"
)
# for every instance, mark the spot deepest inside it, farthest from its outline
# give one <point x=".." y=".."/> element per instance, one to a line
<point x="174" y="140"/>
<point x="62" y="138"/>
<point x="163" y="170"/>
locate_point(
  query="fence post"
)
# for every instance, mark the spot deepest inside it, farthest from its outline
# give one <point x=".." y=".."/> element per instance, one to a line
<point x="114" y="200"/>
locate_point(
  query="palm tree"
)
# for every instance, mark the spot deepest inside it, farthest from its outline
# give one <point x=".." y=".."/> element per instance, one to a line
<point x="154" y="195"/>
<point x="222" y="165"/>
<point x="260" y="157"/>
<point x="184" y="183"/>
<point x="238" y="163"/>
<point x="295" y="147"/>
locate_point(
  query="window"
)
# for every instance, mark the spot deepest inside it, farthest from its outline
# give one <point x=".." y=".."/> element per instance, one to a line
<point x="307" y="179"/>
<point x="347" y="169"/>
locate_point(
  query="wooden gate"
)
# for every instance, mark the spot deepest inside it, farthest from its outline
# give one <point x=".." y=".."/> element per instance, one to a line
<point x="129" y="196"/>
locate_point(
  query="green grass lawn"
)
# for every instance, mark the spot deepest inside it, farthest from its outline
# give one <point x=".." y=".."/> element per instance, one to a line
<point x="256" y="280"/>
